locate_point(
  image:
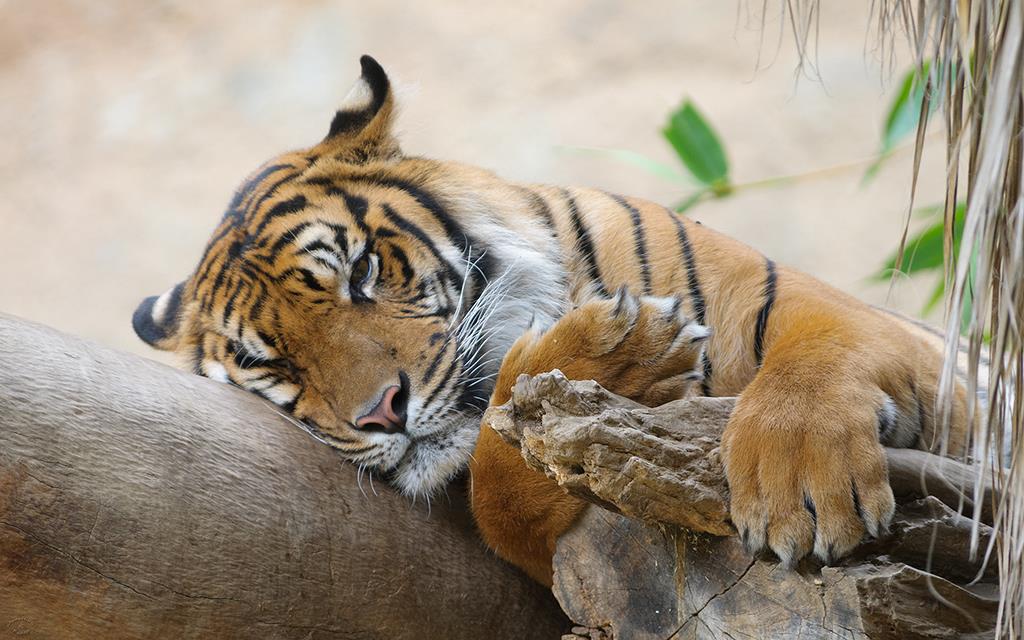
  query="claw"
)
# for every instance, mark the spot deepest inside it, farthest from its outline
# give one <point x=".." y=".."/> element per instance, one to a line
<point x="787" y="556"/>
<point x="809" y="505"/>
<point x="754" y="542"/>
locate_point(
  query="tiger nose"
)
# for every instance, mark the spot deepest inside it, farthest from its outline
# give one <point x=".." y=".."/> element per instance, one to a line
<point x="390" y="413"/>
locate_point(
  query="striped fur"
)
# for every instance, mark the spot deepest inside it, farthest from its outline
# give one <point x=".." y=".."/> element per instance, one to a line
<point x="339" y="269"/>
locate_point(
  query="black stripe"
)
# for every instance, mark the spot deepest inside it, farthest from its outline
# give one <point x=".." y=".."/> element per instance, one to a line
<point x="218" y="282"/>
<point x="705" y="385"/>
<point x="285" y="238"/>
<point x="639" y="241"/>
<point x="696" y="295"/>
<point x="432" y="368"/>
<point x="541" y="208"/>
<point x="452" y="229"/>
<point x="357" y="206"/>
<point x="317" y="245"/>
<point x="229" y="306"/>
<point x="762" y="317"/>
<point x="288" y="207"/>
<point x="271" y="191"/>
<point x="412" y="229"/>
<point x="199" y="354"/>
<point x="257" y="305"/>
<point x="692" y="281"/>
<point x="403" y="262"/>
<point x="233" y="218"/>
<point x="305" y="275"/>
<point x="586" y="245"/>
<point x="486" y="263"/>
<point x="446" y="377"/>
<point x="250" y="186"/>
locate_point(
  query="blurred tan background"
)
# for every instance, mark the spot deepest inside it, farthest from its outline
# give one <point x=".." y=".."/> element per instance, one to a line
<point x="126" y="124"/>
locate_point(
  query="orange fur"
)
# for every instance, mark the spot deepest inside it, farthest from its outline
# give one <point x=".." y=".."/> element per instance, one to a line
<point x="279" y="305"/>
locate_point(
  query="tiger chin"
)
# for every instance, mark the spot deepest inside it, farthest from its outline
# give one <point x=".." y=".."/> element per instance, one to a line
<point x="382" y="301"/>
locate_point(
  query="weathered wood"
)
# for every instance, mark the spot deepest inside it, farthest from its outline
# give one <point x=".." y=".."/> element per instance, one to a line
<point x="137" y="501"/>
<point x="660" y="574"/>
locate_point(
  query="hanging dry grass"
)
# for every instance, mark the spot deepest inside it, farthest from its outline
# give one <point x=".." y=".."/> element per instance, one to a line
<point x="976" y="51"/>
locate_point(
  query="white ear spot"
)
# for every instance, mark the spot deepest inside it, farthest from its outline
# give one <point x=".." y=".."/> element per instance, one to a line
<point x="215" y="371"/>
<point x="359" y="97"/>
<point x="696" y="332"/>
<point x="160" y="306"/>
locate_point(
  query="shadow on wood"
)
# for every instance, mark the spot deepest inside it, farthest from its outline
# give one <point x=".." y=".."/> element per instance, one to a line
<point x="137" y="501"/>
<point x="661" y="574"/>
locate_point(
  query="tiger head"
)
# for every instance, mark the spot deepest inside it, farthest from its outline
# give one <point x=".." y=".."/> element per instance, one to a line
<point x="368" y="294"/>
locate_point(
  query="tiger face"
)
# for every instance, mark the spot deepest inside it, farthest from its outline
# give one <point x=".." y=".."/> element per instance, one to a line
<point x="339" y="287"/>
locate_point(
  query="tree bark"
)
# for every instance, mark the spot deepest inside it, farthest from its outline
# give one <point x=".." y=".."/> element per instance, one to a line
<point x="657" y="559"/>
<point x="137" y="501"/>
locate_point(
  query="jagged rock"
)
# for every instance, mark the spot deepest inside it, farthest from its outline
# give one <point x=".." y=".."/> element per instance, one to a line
<point x="662" y="572"/>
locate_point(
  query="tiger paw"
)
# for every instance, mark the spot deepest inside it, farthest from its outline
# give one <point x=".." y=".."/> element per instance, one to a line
<point x="806" y="473"/>
<point x="644" y="348"/>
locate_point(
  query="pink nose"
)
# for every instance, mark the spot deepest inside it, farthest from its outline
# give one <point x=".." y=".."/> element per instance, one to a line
<point x="389" y="414"/>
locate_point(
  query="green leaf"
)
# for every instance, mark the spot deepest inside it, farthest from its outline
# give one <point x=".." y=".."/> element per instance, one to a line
<point x="924" y="250"/>
<point x="904" y="114"/>
<point x="698" y="146"/>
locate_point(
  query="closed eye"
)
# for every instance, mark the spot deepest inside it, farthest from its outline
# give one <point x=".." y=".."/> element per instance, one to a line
<point x="246" y="359"/>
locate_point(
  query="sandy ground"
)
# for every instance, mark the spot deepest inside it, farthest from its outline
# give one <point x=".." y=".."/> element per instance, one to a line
<point x="127" y="124"/>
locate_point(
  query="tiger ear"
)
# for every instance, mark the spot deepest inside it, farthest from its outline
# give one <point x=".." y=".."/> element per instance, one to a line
<point x="361" y="129"/>
<point x="157" y="318"/>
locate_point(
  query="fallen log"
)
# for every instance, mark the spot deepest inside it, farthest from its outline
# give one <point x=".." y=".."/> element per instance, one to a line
<point x="657" y="559"/>
<point x="137" y="501"/>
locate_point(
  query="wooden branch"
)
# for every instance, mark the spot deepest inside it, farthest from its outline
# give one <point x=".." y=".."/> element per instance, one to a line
<point x="137" y="501"/>
<point x="662" y="573"/>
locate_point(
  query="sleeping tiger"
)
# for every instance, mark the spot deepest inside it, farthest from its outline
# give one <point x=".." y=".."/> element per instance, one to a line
<point x="385" y="300"/>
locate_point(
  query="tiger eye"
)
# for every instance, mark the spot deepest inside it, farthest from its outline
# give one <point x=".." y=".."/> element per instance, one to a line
<point x="360" y="271"/>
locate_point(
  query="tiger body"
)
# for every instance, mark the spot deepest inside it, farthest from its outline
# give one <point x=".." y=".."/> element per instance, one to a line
<point x="384" y="301"/>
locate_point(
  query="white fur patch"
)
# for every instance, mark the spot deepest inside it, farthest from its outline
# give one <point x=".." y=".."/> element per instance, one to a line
<point x="281" y="393"/>
<point x="215" y="371"/>
<point x="359" y="97"/>
<point x="160" y="307"/>
<point x="664" y="304"/>
<point x="696" y="332"/>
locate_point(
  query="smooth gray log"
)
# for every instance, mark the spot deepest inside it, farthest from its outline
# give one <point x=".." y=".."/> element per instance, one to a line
<point x="138" y="501"/>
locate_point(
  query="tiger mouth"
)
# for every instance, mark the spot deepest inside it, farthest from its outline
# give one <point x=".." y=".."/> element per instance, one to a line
<point x="414" y="465"/>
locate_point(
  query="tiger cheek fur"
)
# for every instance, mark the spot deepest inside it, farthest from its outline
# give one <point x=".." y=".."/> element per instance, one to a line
<point x="348" y="281"/>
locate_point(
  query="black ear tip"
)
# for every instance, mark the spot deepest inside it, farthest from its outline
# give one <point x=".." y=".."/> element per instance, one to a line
<point x="370" y="65"/>
<point x="156" y="318"/>
<point x="142" y="322"/>
<point x="374" y="74"/>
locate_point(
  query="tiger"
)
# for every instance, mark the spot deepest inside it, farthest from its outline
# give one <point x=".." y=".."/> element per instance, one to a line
<point x="383" y="301"/>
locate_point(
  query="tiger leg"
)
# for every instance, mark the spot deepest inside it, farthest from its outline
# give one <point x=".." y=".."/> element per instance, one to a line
<point x="630" y="346"/>
<point x="803" y="450"/>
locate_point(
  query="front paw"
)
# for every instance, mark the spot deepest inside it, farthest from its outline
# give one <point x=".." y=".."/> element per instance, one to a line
<point x="806" y="475"/>
<point x="645" y="348"/>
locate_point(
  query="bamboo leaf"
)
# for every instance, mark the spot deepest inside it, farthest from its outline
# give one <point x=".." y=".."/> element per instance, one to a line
<point x="904" y="115"/>
<point x="698" y="146"/>
<point x="925" y="249"/>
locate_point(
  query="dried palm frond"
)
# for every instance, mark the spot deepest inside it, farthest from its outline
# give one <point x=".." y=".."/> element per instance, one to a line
<point x="976" y="51"/>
